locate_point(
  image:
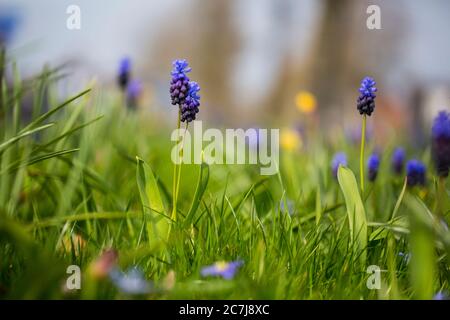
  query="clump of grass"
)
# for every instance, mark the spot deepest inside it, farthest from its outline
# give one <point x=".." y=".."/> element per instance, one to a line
<point x="71" y="189"/>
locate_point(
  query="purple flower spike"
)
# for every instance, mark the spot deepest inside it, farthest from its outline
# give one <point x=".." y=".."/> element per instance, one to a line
<point x="179" y="84"/>
<point x="416" y="171"/>
<point x="398" y="160"/>
<point x="226" y="270"/>
<point x="134" y="89"/>
<point x="366" y="99"/>
<point x="123" y="75"/>
<point x="189" y="109"/>
<point x="373" y="164"/>
<point x="339" y="159"/>
<point x="440" y="147"/>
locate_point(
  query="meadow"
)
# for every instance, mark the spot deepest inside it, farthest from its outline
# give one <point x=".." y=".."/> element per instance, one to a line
<point x="89" y="182"/>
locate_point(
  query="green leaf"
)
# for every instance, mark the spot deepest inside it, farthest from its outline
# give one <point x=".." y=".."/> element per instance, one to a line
<point x="202" y="183"/>
<point x="158" y="225"/>
<point x="422" y="242"/>
<point x="398" y="225"/>
<point x="28" y="162"/>
<point x="399" y="200"/>
<point x="66" y="134"/>
<point x="355" y="210"/>
<point x="318" y="206"/>
<point x="24" y="134"/>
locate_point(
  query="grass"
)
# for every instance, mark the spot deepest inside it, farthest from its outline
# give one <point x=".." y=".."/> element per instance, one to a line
<point x="88" y="169"/>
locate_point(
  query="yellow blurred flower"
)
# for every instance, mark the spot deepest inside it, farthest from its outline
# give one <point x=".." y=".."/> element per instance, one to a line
<point x="306" y="102"/>
<point x="290" y="140"/>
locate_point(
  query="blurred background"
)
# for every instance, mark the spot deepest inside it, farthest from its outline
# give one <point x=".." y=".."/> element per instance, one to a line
<point x="251" y="58"/>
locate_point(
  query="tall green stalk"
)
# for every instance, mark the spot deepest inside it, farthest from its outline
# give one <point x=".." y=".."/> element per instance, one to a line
<point x="361" y="157"/>
<point x="175" y="176"/>
<point x="177" y="191"/>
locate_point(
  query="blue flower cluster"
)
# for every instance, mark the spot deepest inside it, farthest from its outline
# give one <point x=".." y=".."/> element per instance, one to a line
<point x="366" y="98"/>
<point x="416" y="173"/>
<point x="440" y="147"/>
<point x="184" y="92"/>
<point x="373" y="164"/>
<point x="190" y="107"/>
<point x="124" y="73"/>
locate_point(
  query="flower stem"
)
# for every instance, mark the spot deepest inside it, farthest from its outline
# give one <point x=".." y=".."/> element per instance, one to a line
<point x="177" y="190"/>
<point x="361" y="157"/>
<point x="175" y="180"/>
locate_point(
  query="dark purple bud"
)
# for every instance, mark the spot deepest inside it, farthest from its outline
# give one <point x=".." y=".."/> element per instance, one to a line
<point x="440" y="147"/>
<point x="366" y="100"/>
<point x="416" y="173"/>
<point x="373" y="164"/>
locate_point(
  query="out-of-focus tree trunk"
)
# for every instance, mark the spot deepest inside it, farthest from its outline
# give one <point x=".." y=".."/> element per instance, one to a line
<point x="328" y="68"/>
<point x="213" y="55"/>
<point x="325" y="67"/>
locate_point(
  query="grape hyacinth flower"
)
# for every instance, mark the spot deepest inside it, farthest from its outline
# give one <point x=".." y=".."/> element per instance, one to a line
<point x="366" y="99"/>
<point x="398" y="160"/>
<point x="226" y="270"/>
<point x="189" y="108"/>
<point x="441" y="143"/>
<point x="131" y="282"/>
<point x="124" y="74"/>
<point x="415" y="171"/>
<point x="365" y="105"/>
<point x="184" y="94"/>
<point x="134" y="90"/>
<point x="339" y="159"/>
<point x="373" y="164"/>
<point x="179" y="84"/>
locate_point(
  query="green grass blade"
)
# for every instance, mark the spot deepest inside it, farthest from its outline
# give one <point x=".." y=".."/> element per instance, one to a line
<point x="13" y="140"/>
<point x="18" y="164"/>
<point x="355" y="210"/>
<point x="152" y="205"/>
<point x="399" y="200"/>
<point x="422" y="245"/>
<point x="202" y="183"/>
<point x="48" y="114"/>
